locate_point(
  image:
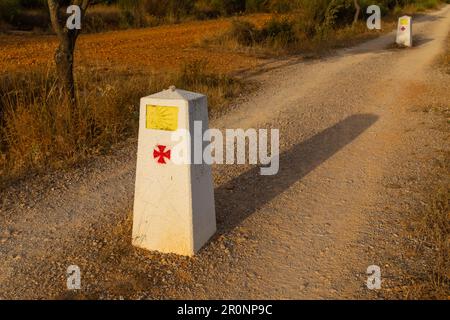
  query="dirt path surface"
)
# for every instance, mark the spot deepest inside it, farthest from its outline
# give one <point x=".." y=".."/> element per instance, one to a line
<point x="353" y="149"/>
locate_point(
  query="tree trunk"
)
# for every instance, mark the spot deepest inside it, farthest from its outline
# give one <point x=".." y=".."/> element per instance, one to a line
<point x="64" y="52"/>
<point x="358" y="11"/>
<point x="64" y="67"/>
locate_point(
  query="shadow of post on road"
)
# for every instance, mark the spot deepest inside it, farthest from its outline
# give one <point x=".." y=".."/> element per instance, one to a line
<point x="245" y="194"/>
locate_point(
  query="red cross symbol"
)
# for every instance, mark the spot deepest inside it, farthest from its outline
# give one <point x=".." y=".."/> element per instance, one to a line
<point x="161" y="154"/>
<point x="403" y="28"/>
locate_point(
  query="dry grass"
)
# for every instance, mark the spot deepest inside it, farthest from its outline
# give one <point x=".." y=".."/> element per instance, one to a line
<point x="344" y="37"/>
<point x="434" y="228"/>
<point x="38" y="131"/>
<point x="276" y="36"/>
<point x="113" y="70"/>
<point x="305" y="31"/>
<point x="432" y="225"/>
<point x="445" y="59"/>
<point x="429" y="228"/>
<point x="150" y="49"/>
<point x="433" y="232"/>
<point x="283" y="36"/>
<point x="102" y="17"/>
<point x="421" y="6"/>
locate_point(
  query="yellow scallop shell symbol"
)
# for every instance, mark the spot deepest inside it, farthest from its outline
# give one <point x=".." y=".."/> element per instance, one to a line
<point x="162" y="118"/>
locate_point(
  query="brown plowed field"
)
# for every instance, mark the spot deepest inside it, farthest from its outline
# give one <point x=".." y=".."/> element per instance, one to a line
<point x="164" y="47"/>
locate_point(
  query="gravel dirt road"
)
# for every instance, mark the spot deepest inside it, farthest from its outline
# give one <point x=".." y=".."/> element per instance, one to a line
<point x="354" y="151"/>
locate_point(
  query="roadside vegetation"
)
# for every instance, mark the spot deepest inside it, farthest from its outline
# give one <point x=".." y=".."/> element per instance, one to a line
<point x="39" y="131"/>
<point x="430" y="229"/>
<point x="445" y="59"/>
<point x="432" y="224"/>
<point x="106" y="15"/>
<point x="433" y="234"/>
<point x="319" y="16"/>
<point x="314" y="26"/>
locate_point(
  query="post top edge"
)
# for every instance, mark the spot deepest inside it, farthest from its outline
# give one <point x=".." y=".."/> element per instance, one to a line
<point x="175" y="94"/>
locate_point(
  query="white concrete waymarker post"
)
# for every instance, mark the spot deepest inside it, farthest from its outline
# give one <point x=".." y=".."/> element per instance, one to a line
<point x="174" y="208"/>
<point x="404" y="31"/>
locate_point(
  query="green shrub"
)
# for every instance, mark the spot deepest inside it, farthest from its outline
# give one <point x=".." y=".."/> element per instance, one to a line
<point x="278" y="33"/>
<point x="382" y="4"/>
<point x="244" y="32"/>
<point x="100" y="17"/>
<point x="9" y="9"/>
<point x="281" y="6"/>
<point x="203" y="9"/>
<point x="30" y="19"/>
<point x="426" y="4"/>
<point x="312" y="16"/>
<point x="256" y="5"/>
<point x="232" y="6"/>
<point x="33" y="4"/>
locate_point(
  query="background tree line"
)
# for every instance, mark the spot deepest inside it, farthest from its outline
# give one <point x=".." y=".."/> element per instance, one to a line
<point x="121" y="14"/>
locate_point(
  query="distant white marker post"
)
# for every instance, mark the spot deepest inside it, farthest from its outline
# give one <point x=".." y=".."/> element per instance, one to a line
<point x="404" y="31"/>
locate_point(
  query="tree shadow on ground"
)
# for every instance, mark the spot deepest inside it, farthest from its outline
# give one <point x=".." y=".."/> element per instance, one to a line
<point x="245" y="194"/>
